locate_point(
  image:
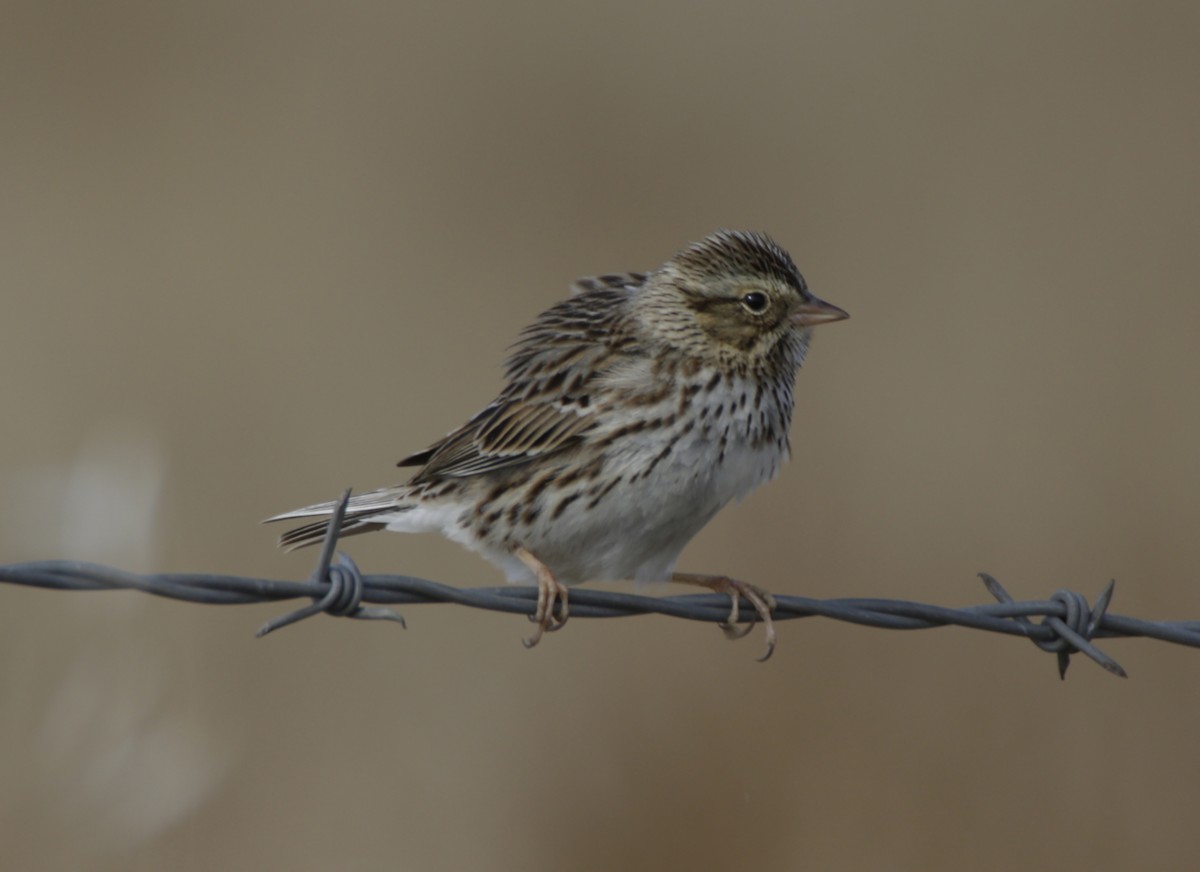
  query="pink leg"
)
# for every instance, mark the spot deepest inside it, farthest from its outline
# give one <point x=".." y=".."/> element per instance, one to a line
<point x="550" y="592"/>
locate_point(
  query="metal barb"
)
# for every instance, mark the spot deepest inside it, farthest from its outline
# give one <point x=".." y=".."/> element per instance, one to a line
<point x="1073" y="630"/>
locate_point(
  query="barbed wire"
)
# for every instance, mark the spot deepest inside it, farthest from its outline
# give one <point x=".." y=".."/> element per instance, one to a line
<point x="337" y="587"/>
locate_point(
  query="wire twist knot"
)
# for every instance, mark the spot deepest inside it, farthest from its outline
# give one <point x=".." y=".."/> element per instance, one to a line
<point x="1068" y="633"/>
<point x="342" y="583"/>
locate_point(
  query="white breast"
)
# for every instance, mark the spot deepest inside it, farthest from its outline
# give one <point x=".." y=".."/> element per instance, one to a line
<point x="675" y="477"/>
<point x="730" y="451"/>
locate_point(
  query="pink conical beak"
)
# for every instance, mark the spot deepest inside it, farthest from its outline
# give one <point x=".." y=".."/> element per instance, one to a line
<point x="813" y="311"/>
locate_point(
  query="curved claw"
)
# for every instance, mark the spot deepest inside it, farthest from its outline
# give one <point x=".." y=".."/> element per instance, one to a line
<point x="730" y="626"/>
<point x="736" y="631"/>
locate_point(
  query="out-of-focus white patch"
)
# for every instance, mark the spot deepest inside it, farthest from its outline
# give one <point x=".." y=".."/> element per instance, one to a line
<point x="113" y="761"/>
<point x="100" y="507"/>
<point x="111" y="497"/>
<point x="119" y="769"/>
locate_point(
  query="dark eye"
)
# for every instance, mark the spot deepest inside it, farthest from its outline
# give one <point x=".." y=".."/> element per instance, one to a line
<point x="755" y="301"/>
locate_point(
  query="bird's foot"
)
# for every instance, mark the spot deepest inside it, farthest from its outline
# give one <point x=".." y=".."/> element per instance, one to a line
<point x="551" y="592"/>
<point x="762" y="601"/>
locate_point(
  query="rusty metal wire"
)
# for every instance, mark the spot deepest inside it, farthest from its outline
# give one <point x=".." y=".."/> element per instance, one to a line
<point x="337" y="587"/>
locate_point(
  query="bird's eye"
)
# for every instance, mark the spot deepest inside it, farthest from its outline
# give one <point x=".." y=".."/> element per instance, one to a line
<point x="755" y="301"/>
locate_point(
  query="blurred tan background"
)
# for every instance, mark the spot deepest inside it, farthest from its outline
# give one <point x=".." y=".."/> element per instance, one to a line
<point x="253" y="253"/>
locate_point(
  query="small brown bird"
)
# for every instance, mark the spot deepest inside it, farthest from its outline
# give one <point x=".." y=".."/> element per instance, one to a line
<point x="633" y="412"/>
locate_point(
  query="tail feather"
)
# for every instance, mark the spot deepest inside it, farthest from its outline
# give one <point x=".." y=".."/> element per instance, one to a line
<point x="360" y="514"/>
<point x="311" y="534"/>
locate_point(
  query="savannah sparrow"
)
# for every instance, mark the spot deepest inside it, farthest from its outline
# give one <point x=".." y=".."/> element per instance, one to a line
<point x="633" y="411"/>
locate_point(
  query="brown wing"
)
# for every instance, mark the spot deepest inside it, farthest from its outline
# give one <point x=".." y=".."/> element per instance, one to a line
<point x="509" y="434"/>
<point x="547" y="405"/>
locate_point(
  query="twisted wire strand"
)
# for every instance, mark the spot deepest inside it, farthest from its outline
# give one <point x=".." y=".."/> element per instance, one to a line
<point x="337" y="587"/>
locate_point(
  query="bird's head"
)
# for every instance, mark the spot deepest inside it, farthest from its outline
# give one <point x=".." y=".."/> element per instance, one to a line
<point x="734" y="298"/>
